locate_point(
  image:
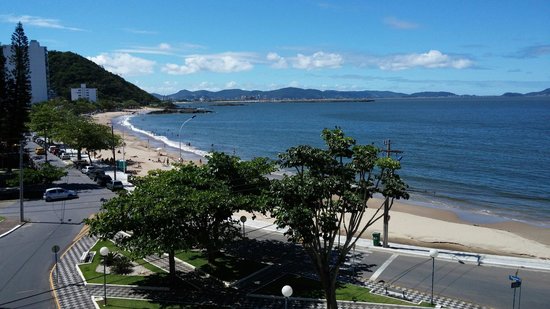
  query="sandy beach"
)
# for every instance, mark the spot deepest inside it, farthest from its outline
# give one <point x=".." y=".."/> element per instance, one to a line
<point x="409" y="224"/>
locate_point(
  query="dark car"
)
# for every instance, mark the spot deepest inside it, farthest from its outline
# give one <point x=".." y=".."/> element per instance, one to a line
<point x="95" y="173"/>
<point x="102" y="180"/>
<point x="114" y="185"/>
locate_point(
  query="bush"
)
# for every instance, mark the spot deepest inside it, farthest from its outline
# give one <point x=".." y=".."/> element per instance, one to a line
<point x="119" y="264"/>
<point x="44" y="175"/>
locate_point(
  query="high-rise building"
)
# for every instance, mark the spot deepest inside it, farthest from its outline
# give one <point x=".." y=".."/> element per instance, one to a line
<point x="38" y="65"/>
<point x="89" y="94"/>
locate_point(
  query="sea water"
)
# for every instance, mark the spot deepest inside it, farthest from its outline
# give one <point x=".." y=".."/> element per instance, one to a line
<point x="487" y="158"/>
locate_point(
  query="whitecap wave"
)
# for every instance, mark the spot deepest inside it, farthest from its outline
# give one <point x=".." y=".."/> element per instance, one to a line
<point x="125" y="121"/>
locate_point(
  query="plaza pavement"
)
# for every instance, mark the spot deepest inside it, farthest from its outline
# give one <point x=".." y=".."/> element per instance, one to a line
<point x="72" y="291"/>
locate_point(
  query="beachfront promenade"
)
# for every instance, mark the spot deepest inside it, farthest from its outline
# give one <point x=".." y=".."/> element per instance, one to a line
<point x="72" y="291"/>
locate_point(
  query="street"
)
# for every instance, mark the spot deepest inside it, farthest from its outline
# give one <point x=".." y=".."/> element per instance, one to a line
<point x="26" y="254"/>
<point x="27" y="258"/>
<point x="483" y="285"/>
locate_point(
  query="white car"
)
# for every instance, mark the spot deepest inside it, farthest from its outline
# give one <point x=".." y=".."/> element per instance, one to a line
<point x="58" y="194"/>
<point x="88" y="169"/>
<point x="65" y="156"/>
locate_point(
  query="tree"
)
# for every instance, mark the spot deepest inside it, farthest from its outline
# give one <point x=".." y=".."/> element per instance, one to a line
<point x="186" y="207"/>
<point x="82" y="133"/>
<point x="154" y="215"/>
<point x="328" y="197"/>
<point x="227" y="185"/>
<point x="4" y="128"/>
<point x="19" y="85"/>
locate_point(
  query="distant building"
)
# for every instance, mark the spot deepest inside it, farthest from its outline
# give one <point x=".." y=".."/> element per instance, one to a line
<point x="38" y="63"/>
<point x="89" y="94"/>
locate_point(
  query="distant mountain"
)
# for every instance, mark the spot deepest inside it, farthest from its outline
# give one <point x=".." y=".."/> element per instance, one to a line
<point x="292" y="93"/>
<point x="512" y="94"/>
<point x="289" y="93"/>
<point x="545" y="92"/>
<point x="431" y="94"/>
<point x="68" y="70"/>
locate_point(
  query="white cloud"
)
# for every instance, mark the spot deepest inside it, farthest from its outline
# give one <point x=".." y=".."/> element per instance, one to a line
<point x="164" y="46"/>
<point x="139" y="31"/>
<point x="37" y="22"/>
<point x="124" y="64"/>
<point x="399" y="24"/>
<point x="278" y="61"/>
<point x="231" y="85"/>
<point x="431" y="59"/>
<point x="318" y="60"/>
<point x="219" y="63"/>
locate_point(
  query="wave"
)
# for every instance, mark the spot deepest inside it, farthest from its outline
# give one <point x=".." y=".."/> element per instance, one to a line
<point x="125" y="122"/>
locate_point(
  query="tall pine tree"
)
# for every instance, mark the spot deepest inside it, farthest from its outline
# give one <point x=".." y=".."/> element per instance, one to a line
<point x="19" y="85"/>
<point x="3" y="99"/>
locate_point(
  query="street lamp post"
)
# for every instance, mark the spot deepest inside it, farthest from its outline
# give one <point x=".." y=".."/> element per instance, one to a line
<point x="104" y="251"/>
<point x="243" y="220"/>
<point x="287" y="292"/>
<point x="433" y="254"/>
<point x="179" y="131"/>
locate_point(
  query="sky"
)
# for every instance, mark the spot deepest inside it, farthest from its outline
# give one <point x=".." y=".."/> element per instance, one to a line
<point x="472" y="47"/>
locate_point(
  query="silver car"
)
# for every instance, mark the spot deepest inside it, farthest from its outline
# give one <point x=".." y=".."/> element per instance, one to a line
<point x="58" y="194"/>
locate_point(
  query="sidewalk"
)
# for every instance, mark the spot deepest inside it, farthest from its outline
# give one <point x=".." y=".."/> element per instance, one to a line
<point x="73" y="292"/>
<point x="463" y="257"/>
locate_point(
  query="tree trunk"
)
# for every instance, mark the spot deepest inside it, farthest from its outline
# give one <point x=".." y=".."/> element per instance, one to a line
<point x="330" y="294"/>
<point x="328" y="281"/>
<point x="172" y="265"/>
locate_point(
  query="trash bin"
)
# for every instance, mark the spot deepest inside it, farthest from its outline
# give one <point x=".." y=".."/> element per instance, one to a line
<point x="121" y="165"/>
<point x="376" y="239"/>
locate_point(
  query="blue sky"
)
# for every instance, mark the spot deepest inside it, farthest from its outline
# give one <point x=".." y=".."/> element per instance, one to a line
<point x="467" y="47"/>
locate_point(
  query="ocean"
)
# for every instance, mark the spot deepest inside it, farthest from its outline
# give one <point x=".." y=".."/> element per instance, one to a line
<point x="485" y="158"/>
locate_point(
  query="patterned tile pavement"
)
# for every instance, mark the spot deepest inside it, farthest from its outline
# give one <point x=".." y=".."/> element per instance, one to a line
<point x="72" y="292"/>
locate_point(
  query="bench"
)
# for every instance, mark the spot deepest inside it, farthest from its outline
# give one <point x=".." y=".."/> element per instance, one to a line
<point x="87" y="256"/>
<point x="397" y="294"/>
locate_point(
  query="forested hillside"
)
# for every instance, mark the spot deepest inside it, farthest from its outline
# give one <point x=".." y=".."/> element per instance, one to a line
<point x="69" y="70"/>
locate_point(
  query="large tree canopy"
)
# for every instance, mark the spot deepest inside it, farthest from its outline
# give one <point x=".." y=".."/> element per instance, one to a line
<point x="328" y="196"/>
<point x="186" y="207"/>
<point x="62" y="122"/>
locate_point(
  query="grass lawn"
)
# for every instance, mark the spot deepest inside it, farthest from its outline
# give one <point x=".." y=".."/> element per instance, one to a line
<point x="118" y="303"/>
<point x="225" y="267"/>
<point x="160" y="278"/>
<point x="308" y="288"/>
<point x="2" y="218"/>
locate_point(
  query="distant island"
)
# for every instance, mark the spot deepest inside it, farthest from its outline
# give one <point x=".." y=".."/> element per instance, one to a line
<point x="292" y="94"/>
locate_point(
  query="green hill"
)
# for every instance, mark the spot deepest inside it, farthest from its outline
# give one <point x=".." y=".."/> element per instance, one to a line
<point x="69" y="70"/>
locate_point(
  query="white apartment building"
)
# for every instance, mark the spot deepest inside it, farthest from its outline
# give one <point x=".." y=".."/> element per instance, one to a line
<point x="89" y="94"/>
<point x="38" y="63"/>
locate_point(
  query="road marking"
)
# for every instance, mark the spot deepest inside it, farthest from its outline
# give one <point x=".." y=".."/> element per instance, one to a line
<point x="379" y="271"/>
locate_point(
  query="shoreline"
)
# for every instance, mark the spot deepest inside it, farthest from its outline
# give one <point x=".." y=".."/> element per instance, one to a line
<point x="411" y="223"/>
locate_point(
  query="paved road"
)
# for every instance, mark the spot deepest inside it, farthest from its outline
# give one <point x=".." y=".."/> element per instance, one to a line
<point x="27" y="258"/>
<point x="483" y="285"/>
<point x="26" y="253"/>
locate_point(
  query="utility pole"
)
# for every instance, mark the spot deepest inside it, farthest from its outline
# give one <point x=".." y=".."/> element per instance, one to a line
<point x="22" y="215"/>
<point x="114" y="160"/>
<point x="388" y="151"/>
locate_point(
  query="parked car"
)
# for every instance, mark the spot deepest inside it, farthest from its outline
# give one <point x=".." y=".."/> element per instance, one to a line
<point x="65" y="156"/>
<point x="102" y="180"/>
<point x="86" y="170"/>
<point x="114" y="185"/>
<point x="58" y="194"/>
<point x="95" y="172"/>
<point x="80" y="164"/>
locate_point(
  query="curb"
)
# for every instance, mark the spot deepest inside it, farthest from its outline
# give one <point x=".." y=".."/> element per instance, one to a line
<point x="12" y="229"/>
